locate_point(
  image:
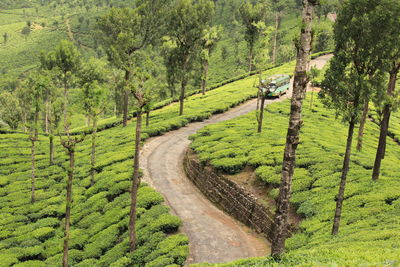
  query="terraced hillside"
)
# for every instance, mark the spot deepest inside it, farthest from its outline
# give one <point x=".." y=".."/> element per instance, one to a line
<point x="369" y="233"/>
<point x="31" y="234"/>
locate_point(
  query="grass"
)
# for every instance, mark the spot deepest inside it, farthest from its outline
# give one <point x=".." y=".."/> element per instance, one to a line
<point x="370" y="227"/>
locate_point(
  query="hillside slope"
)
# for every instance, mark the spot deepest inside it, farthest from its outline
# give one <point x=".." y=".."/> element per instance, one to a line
<point x="369" y="233"/>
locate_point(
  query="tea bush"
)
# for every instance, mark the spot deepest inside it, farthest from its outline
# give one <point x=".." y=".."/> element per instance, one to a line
<point x="369" y="233"/>
<point x="33" y="233"/>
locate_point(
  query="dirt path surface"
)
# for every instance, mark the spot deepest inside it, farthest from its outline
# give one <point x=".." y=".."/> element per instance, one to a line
<point x="214" y="236"/>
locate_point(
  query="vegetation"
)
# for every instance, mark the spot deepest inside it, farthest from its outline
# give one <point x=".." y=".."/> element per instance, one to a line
<point x="99" y="232"/>
<point x="97" y="67"/>
<point x="369" y="219"/>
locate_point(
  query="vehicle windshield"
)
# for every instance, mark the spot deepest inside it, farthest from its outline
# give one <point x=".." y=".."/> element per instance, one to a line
<point x="272" y="86"/>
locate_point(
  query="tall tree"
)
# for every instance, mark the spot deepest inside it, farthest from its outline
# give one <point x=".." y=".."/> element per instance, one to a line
<point x="69" y="143"/>
<point x="94" y="98"/>
<point x="171" y="62"/>
<point x="387" y="26"/>
<point x="292" y="140"/>
<point x="125" y="31"/>
<point x="351" y="75"/>
<point x="278" y="7"/>
<point x="64" y="61"/>
<point x="186" y="23"/>
<point x="209" y="41"/>
<point x="142" y="89"/>
<point x="33" y="94"/>
<point x="53" y="110"/>
<point x="251" y="14"/>
<point x="345" y="90"/>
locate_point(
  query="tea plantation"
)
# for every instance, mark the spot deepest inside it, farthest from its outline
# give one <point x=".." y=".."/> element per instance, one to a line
<point x="32" y="234"/>
<point x="370" y="229"/>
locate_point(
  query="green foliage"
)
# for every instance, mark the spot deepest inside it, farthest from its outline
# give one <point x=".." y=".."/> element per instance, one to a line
<point x="10" y="111"/>
<point x="253" y="17"/>
<point x="370" y="215"/>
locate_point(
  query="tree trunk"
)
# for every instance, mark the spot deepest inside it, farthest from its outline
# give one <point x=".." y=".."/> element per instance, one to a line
<point x="345" y="170"/>
<point x="34" y="138"/>
<point x="295" y="123"/>
<point x="258" y="100"/>
<point x="93" y="156"/>
<point x="51" y="149"/>
<point x="205" y="77"/>
<point x="384" y="128"/>
<point x="147" y="118"/>
<point x="65" y="105"/>
<point x="274" y="52"/>
<point x="24" y="121"/>
<point x="33" y="170"/>
<point x="135" y="184"/>
<point x="46" y="118"/>
<point x="126" y="100"/>
<point x="183" y="88"/>
<point x="71" y="154"/>
<point x="251" y="58"/>
<point x="362" y="126"/>
<point x="260" y="119"/>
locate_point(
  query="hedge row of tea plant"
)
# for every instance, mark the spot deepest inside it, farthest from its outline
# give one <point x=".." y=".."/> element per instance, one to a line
<point x="370" y="226"/>
<point x="32" y="234"/>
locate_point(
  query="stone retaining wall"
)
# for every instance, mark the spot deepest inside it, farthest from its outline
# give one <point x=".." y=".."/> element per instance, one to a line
<point x="229" y="196"/>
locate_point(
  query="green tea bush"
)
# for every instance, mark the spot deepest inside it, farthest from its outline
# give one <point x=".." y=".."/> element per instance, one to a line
<point x="34" y="232"/>
<point x="371" y="211"/>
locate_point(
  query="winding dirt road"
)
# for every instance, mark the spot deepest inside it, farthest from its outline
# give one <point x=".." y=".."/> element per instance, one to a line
<point x="214" y="236"/>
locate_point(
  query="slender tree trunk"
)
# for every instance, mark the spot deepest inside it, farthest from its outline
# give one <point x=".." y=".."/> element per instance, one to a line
<point x="362" y="126"/>
<point x="24" y="121"/>
<point x="126" y="100"/>
<point x="258" y="100"/>
<point x="251" y="58"/>
<point x="260" y="119"/>
<point x="295" y="123"/>
<point x="34" y="138"/>
<point x="71" y="154"/>
<point x="345" y="170"/>
<point x="65" y="106"/>
<point x="275" y="45"/>
<point x="147" y="118"/>
<point x="93" y="158"/>
<point x="46" y="118"/>
<point x="51" y="148"/>
<point x="183" y="88"/>
<point x="205" y="77"/>
<point x="33" y="198"/>
<point x="135" y="184"/>
<point x="384" y="128"/>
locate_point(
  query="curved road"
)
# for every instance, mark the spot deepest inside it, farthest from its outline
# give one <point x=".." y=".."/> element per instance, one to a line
<point x="214" y="236"/>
